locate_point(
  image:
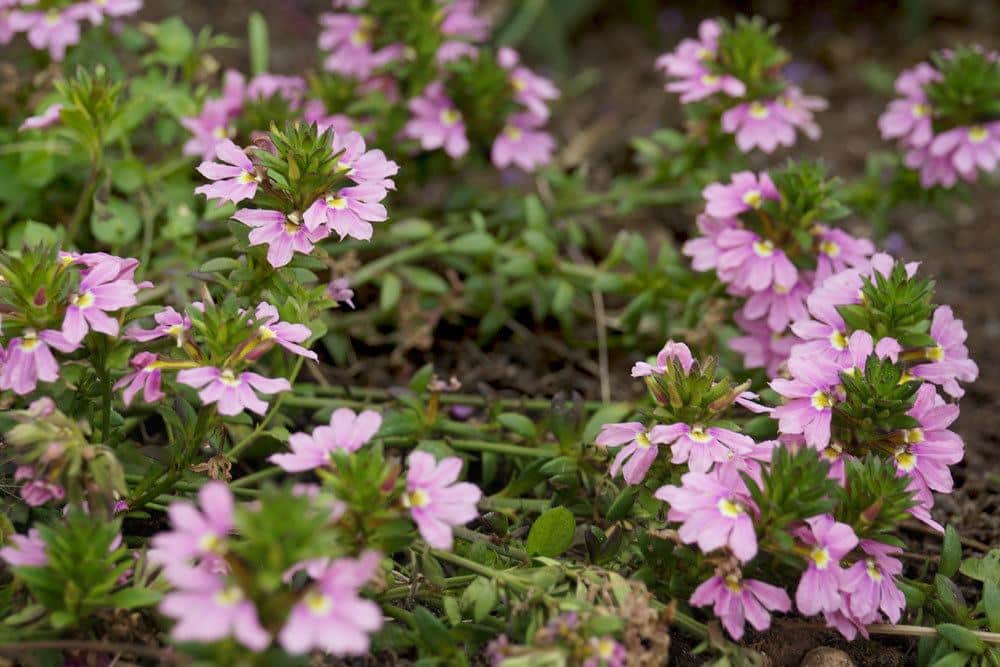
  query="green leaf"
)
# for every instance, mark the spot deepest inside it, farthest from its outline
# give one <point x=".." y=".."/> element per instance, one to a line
<point x="956" y="659"/>
<point x="991" y="603"/>
<point x="131" y="598"/>
<point x="424" y="280"/>
<point x="986" y="568"/>
<point x="519" y="424"/>
<point x="175" y="41"/>
<point x="479" y="597"/>
<point x="951" y="552"/>
<point x="609" y="414"/>
<point x="392" y="288"/>
<point x="257" y="33"/>
<point x="473" y="243"/>
<point x="552" y="533"/>
<point x="219" y="265"/>
<point x="961" y="638"/>
<point x="115" y="223"/>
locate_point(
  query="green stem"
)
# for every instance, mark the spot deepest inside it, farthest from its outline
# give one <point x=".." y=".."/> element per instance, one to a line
<point x="473" y="536"/>
<point x="499" y="503"/>
<point x="368" y="272"/>
<point x="537" y="403"/>
<point x="475" y="446"/>
<point x="83" y="204"/>
<point x="499" y="576"/>
<point x="246" y="480"/>
<point x="233" y="453"/>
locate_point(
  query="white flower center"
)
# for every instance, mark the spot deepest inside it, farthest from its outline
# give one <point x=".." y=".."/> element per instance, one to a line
<point x="229" y="379"/>
<point x="730" y="508"/>
<point x="821" y="557"/>
<point x="336" y="203"/>
<point x="642" y="440"/>
<point x="246" y="177"/>
<point x="82" y="301"/>
<point x="30" y="340"/>
<point x="763" y="248"/>
<point x="873" y="572"/>
<point x="266" y="332"/>
<point x="317" y="603"/>
<point x="758" y="111"/>
<point x="905" y="459"/>
<point x="821" y="400"/>
<point x="416" y="498"/>
<point x="228" y="597"/>
<point x="698" y="434"/>
<point x="838" y="340"/>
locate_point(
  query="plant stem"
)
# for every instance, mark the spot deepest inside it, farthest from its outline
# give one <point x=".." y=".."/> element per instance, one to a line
<point x="164" y="655"/>
<point x="233" y="453"/>
<point x="255" y="477"/>
<point x="369" y="271"/>
<point x="473" y="536"/>
<point x="476" y="446"/>
<point x="83" y="204"/>
<point x="526" y="504"/>
<point x="497" y="575"/>
<point x="924" y="631"/>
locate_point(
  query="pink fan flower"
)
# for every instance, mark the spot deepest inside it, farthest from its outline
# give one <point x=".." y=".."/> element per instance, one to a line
<point x="715" y="510"/>
<point x="749" y="262"/>
<point x="348" y="212"/>
<point x="146" y="376"/>
<point x="908" y="120"/>
<point x="779" y="306"/>
<point x="46" y="119"/>
<point x="436" y="123"/>
<point x="29" y="359"/>
<point x="737" y="600"/>
<point x="949" y="359"/>
<point x="930" y="449"/>
<point x="231" y="392"/>
<point x="25" y="550"/>
<point x="809" y="399"/>
<point x="933" y="170"/>
<point x="347" y="432"/>
<point x="55" y="30"/>
<point x="169" y="322"/>
<point x="459" y="20"/>
<point x="639" y="451"/>
<point x="283" y="234"/>
<point x="435" y="498"/>
<point x="797" y="108"/>
<point x="701" y="447"/>
<point x="235" y="176"/>
<point x="287" y="335"/>
<point x="37" y="491"/>
<point x="745" y="192"/>
<point x="758" y="125"/>
<point x="969" y="148"/>
<point x="704" y="250"/>
<point x="521" y="144"/>
<point x="530" y="89"/>
<point x="706" y="84"/>
<point x="315" y="112"/>
<point x="910" y="82"/>
<point x="265" y="86"/>
<point x="361" y="165"/>
<point x="605" y="652"/>
<point x="340" y="291"/>
<point x="690" y="55"/>
<point x="331" y="616"/>
<point x="838" y="250"/>
<point x="101" y="291"/>
<point x="196" y="534"/>
<point x="871" y="583"/>
<point x="208" y="608"/>
<point x="761" y="347"/>
<point x="348" y="38"/>
<point x="828" y="542"/>
<point x="95" y="10"/>
<point x="671" y="350"/>
<point x="208" y="128"/>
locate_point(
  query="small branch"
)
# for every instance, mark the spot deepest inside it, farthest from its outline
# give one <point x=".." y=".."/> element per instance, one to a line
<point x="164" y="655"/>
<point x="926" y="530"/>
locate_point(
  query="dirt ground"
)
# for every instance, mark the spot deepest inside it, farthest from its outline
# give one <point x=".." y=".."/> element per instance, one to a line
<point x="835" y="45"/>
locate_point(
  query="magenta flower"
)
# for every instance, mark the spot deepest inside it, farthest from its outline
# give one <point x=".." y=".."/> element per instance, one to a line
<point x="315" y="112"/>
<point x="700" y="447"/>
<point x="29" y="359"/>
<point x="207" y="608"/>
<point x="361" y="165"/>
<point x="348" y="212"/>
<point x="347" y="432"/>
<point x="520" y="144"/>
<point x="749" y="262"/>
<point x="908" y="120"/>
<point x="460" y="20"/>
<point x="715" y="510"/>
<point x="746" y="192"/>
<point x="910" y="82"/>
<point x="737" y="600"/>
<point x="969" y="148"/>
<point x="435" y="500"/>
<point x="265" y="86"/>
<point x="196" y="534"/>
<point x="54" y="30"/>
<point x="758" y="125"/>
<point x="779" y="306"/>
<point x="696" y="88"/>
<point x="929" y="450"/>
<point x="340" y="291"/>
<point x="231" y="392"/>
<point x="871" y="583"/>
<point x="704" y="250"/>
<point x="169" y="322"/>
<point x="208" y="128"/>
<point x="436" y="123"/>
<point x="46" y="119"/>
<point x="235" y="176"/>
<point x="331" y="616"/>
<point x="810" y="397"/>
<point x="287" y="335"/>
<point x="95" y="10"/>
<point x="639" y="451"/>
<point x="949" y="360"/>
<point x="25" y="550"/>
<point x="146" y="377"/>
<point x="101" y="291"/>
<point x="531" y="90"/>
<point x="933" y="170"/>
<point x="828" y="541"/>
<point x="605" y="652"/>
<point x="761" y="347"/>
<point x="348" y="38"/>
<point x="797" y="108"/>
<point x="671" y="350"/>
<point x="283" y="234"/>
<point x="39" y="491"/>
<point x="838" y="250"/>
<point x="690" y="56"/>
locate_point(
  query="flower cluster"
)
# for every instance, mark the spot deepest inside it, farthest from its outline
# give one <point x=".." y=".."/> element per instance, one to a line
<point x="770" y="244"/>
<point x="732" y="71"/>
<point x="947" y="121"/>
<point x="54" y="301"/>
<point x="57" y="27"/>
<point x="341" y="190"/>
<point x="567" y="634"/>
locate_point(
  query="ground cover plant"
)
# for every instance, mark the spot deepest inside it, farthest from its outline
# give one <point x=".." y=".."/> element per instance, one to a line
<point x="247" y="316"/>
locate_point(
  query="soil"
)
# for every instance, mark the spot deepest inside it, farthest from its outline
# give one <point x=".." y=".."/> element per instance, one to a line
<point x="836" y="46"/>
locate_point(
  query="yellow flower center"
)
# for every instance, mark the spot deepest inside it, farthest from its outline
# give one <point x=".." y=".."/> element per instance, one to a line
<point x="698" y="434"/>
<point x="642" y="440"/>
<point x="734" y="583"/>
<point x="832" y="452"/>
<point x="838" y="340"/>
<point x="518" y="83"/>
<point x="416" y="498"/>
<point x="821" y="400"/>
<point x="763" y="248"/>
<point x="228" y="597"/>
<point x="704" y="54"/>
<point x="780" y="289"/>
<point x="246" y="177"/>
<point x="605" y="648"/>
<point x="317" y="603"/>
<point x="753" y="198"/>
<point x="821" y="557"/>
<point x="229" y="378"/>
<point x="450" y="116"/>
<point x="336" y="203"/>
<point x="220" y="132"/>
<point x="829" y="248"/>
<point x="920" y="110"/>
<point x="514" y="133"/>
<point x="905" y="459"/>
<point x="82" y="301"/>
<point x="730" y="509"/>
<point x="914" y="435"/>
<point x="978" y="134"/>
<point x="292" y="223"/>
<point x="29" y="341"/>
<point x="266" y="332"/>
<point x="710" y="79"/>
<point x="52" y="17"/>
<point x="936" y="353"/>
<point x="873" y="572"/>
<point x="210" y="542"/>
<point x="904" y="378"/>
<point x="758" y="111"/>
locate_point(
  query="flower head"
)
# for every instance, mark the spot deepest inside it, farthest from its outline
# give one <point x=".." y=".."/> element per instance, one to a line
<point x="737" y="600"/>
<point x="235" y="176"/>
<point x="435" y="498"/>
<point x="436" y="123"/>
<point x="231" y="392"/>
<point x="827" y="542"/>
<point x="347" y="432"/>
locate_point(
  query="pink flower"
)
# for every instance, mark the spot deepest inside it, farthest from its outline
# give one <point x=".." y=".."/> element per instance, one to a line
<point x="460" y="20"/>
<point x="910" y="82"/>
<point x="838" y="250"/>
<point x="361" y="165"/>
<point x="671" y="350"/>
<point x="737" y="600"/>
<point x="929" y="449"/>
<point x="347" y="432"/>
<point x="758" y="125"/>
<point x="197" y="534"/>
<point x="871" y="583"/>
<point x="231" y="392"/>
<point x="54" y="30"/>
<point x="25" y="550"/>
<point x="969" y="148"/>
<point x="949" y="360"/>
<point x="605" y="652"/>
<point x="761" y="347"/>
<point x="933" y="170"/>
<point x="331" y="616"/>
<point x="315" y="112"/>
<point x="810" y="397"/>
<point x="348" y="212"/>
<point x="283" y="234"/>
<point x="265" y="86"/>
<point x="779" y="306"/>
<point x="909" y="121"/>
<point x="101" y="291"/>
<point x="209" y="609"/>
<point x="435" y="500"/>
<point x="715" y="510"/>
<point x="287" y="335"/>
<point x="436" y="123"/>
<point x="349" y="40"/>
<point x="169" y="322"/>
<point x="746" y="192"/>
<point x="146" y="377"/>
<point x="828" y="542"/>
<point x="749" y="262"/>
<point x="639" y="452"/>
<point x="29" y="359"/>
<point x="211" y="126"/>
<point x="46" y="119"/>
<point x="340" y="291"/>
<point x="700" y="447"/>
<point x="797" y="108"/>
<point x="531" y="90"/>
<point x="235" y="180"/>
<point x="690" y="56"/>
<point x="704" y="250"/>
<point x="520" y="144"/>
<point x="96" y="10"/>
